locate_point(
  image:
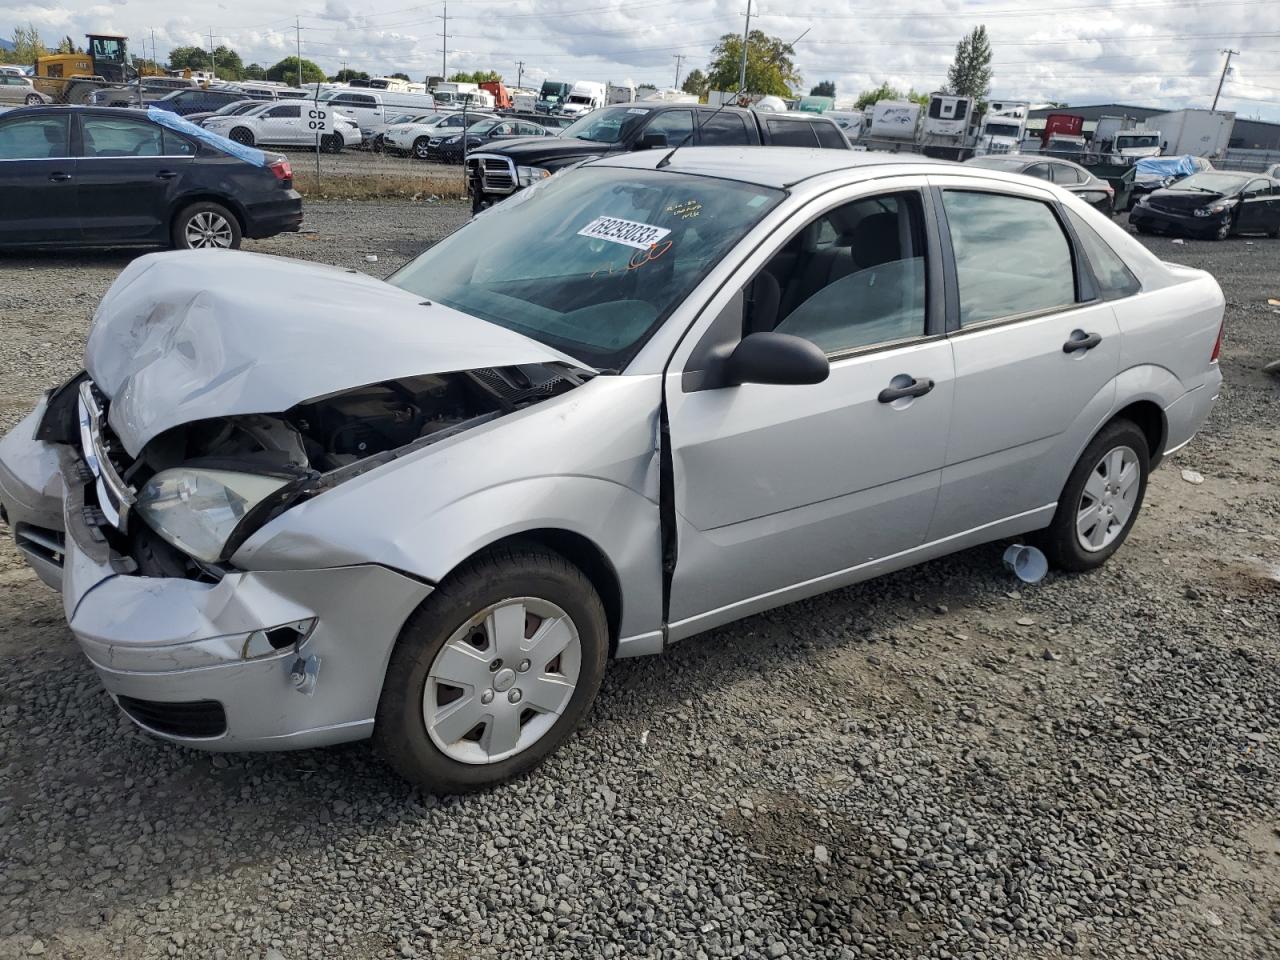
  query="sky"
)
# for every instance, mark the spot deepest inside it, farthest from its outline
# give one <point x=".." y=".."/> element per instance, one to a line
<point x="1161" y="53"/>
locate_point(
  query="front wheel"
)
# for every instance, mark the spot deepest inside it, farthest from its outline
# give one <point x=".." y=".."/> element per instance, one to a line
<point x="1101" y="500"/>
<point x="421" y="148"/>
<point x="1223" y="231"/>
<point x="493" y="671"/>
<point x="243" y="136"/>
<point x="33" y="100"/>
<point x="206" y="226"/>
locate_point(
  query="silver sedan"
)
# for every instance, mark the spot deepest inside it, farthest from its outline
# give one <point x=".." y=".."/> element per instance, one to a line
<point x="289" y="505"/>
<point x="16" y="90"/>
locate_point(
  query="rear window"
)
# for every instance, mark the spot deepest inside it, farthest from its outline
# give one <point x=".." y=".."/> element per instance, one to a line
<point x="725" y="129"/>
<point x="791" y="133"/>
<point x="1114" y="278"/>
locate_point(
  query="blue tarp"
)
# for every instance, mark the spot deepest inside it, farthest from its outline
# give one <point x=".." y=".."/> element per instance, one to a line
<point x="1166" y="166"/>
<point x="167" y="118"/>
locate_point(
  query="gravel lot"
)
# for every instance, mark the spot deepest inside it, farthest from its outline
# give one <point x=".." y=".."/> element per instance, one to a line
<point x="934" y="764"/>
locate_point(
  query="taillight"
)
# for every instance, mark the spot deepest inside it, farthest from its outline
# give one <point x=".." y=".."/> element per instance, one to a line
<point x="1217" y="344"/>
<point x="282" y="170"/>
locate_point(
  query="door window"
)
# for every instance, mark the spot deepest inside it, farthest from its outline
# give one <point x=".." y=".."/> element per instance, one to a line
<point x="829" y="136"/>
<point x="676" y="124"/>
<point x="284" y="112"/>
<point x="1011" y="256"/>
<point x="34" y="138"/>
<point x="177" y="146"/>
<point x="791" y="133"/>
<point x="121" y="137"/>
<point x="1258" y="188"/>
<point x="853" y="278"/>
<point x="1114" y="278"/>
<point x="725" y="129"/>
<point x="1064" y="174"/>
<point x="1038" y="170"/>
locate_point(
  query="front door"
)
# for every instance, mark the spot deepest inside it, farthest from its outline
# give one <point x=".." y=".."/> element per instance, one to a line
<point x="283" y="124"/>
<point x="784" y="491"/>
<point x="37" y="180"/>
<point x="1259" y="208"/>
<point x="1036" y="356"/>
<point x="126" y="175"/>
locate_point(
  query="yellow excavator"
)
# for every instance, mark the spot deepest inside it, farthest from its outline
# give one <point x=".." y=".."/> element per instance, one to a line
<point x="71" y="77"/>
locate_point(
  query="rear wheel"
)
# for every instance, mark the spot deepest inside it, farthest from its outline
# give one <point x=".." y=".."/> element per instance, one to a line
<point x="242" y="135"/>
<point x="421" y="148"/>
<point x="493" y="671"/>
<point x="1101" y="500"/>
<point x="206" y="226"/>
<point x="331" y="143"/>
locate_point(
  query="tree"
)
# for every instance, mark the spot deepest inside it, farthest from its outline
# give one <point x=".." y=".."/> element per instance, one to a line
<point x="255" y="71"/>
<point x="827" y="88"/>
<point x="970" y="73"/>
<point x="27" y="45"/>
<point x="871" y="97"/>
<point x="286" y="71"/>
<point x="695" y="83"/>
<point x="347" y="75"/>
<point x="479" y="76"/>
<point x="770" y="67"/>
<point x="67" y="45"/>
<point x="188" y="58"/>
<point x="228" y="63"/>
<point x="399" y="76"/>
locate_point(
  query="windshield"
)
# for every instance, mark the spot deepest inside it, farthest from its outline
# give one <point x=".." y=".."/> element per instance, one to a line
<point x="591" y="261"/>
<point x="1124" y="142"/>
<point x="610" y="125"/>
<point x="1002" y="129"/>
<point x="1211" y="183"/>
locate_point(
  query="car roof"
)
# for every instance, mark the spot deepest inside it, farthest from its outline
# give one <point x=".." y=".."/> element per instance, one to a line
<point x="771" y="166"/>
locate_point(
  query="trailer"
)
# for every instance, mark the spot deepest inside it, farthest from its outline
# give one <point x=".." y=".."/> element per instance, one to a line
<point x="944" y="131"/>
<point x="1200" y="133"/>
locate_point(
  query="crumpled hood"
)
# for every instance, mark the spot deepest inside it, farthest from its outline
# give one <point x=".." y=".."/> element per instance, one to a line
<point x="190" y="335"/>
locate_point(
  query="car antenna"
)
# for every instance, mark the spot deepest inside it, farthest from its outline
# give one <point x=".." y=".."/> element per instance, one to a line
<point x="698" y="126"/>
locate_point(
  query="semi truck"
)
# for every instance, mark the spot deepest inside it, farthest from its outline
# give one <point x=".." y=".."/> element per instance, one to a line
<point x="1002" y="128"/>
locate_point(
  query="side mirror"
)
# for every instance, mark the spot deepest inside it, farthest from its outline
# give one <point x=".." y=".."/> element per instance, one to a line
<point x="775" y="358"/>
<point x="651" y="141"/>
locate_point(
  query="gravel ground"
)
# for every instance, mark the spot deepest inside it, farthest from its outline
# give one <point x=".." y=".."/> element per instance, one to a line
<point x="933" y="764"/>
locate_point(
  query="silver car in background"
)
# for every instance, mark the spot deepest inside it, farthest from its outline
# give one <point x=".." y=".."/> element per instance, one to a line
<point x="16" y="90"/>
<point x="290" y="505"/>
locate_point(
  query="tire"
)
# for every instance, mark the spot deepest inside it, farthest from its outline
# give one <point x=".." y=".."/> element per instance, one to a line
<point x="1143" y="229"/>
<point x="477" y="203"/>
<point x="1223" y="231"/>
<point x="33" y="100"/>
<point x="421" y="148"/>
<point x="1119" y="442"/>
<point x="1274" y="232"/>
<point x="448" y="636"/>
<point x="206" y="226"/>
<point x="331" y="143"/>
<point x="242" y="135"/>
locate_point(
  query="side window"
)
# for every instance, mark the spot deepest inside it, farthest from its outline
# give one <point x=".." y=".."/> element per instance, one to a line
<point x="363" y="100"/>
<point x="1063" y="174"/>
<point x="1011" y="256"/>
<point x="1114" y="278"/>
<point x="854" y="277"/>
<point x="35" y="138"/>
<point x="287" y="112"/>
<point x="676" y="124"/>
<point x="119" y="137"/>
<point x="1257" y="188"/>
<point x="829" y="136"/>
<point x="176" y="146"/>
<point x="791" y="133"/>
<point x="725" y="129"/>
<point x="1038" y="170"/>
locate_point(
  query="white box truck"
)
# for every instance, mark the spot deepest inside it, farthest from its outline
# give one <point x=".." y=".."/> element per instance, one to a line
<point x="1200" y="133"/>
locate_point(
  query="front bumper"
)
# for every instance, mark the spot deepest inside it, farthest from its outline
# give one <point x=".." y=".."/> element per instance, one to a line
<point x="176" y="654"/>
<point x="1163" y="221"/>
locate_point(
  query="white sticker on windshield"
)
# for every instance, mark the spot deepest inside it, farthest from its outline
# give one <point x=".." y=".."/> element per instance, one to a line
<point x="642" y="236"/>
<point x="638" y="111"/>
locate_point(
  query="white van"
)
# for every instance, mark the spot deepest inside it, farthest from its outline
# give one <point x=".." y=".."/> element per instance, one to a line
<point x="584" y="96"/>
<point x="368" y="108"/>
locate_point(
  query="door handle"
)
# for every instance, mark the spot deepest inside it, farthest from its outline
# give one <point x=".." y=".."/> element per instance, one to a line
<point x="1079" y="340"/>
<point x="916" y="388"/>
<point x="166" y="174"/>
<point x="59" y="177"/>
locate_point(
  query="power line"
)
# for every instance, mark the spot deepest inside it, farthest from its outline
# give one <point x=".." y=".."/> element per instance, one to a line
<point x="1012" y="12"/>
<point x="1226" y="66"/>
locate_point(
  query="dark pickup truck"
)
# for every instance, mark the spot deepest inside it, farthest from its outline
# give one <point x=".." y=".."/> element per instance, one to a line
<point x="499" y="170"/>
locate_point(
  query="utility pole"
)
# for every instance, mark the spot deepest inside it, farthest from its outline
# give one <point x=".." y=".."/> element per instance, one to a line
<point x="155" y="61"/>
<point x="1222" y="79"/>
<point x="746" y="34"/>
<point x="297" y="33"/>
<point x="213" y="61"/>
<point x="679" y="58"/>
<point x="519" y="72"/>
<point x="444" y="42"/>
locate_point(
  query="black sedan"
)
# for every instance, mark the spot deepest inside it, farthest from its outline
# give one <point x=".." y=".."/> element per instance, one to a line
<point x="1213" y="205"/>
<point x="1070" y="176"/>
<point x="447" y="147"/>
<point x="108" y="177"/>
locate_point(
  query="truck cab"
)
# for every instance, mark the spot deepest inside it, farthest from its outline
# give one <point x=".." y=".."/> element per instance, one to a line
<point x="584" y="96"/>
<point x="1135" y="144"/>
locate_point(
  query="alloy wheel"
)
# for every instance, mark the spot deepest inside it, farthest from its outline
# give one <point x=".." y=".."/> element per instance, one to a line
<point x="208" y="230"/>
<point x="1107" y="501"/>
<point x="502" y="680"/>
<point x="242" y="136"/>
<point x="33" y="99"/>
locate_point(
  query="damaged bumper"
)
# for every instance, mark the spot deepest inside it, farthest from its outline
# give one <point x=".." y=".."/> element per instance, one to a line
<point x="260" y="660"/>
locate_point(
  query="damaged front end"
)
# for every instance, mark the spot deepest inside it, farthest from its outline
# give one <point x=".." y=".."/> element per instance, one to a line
<point x="197" y="491"/>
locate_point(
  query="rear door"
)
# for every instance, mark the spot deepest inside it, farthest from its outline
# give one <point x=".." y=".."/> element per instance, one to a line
<point x="37" y="180"/>
<point x="1036" y="351"/>
<point x="127" y="171"/>
<point x="725" y="130"/>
